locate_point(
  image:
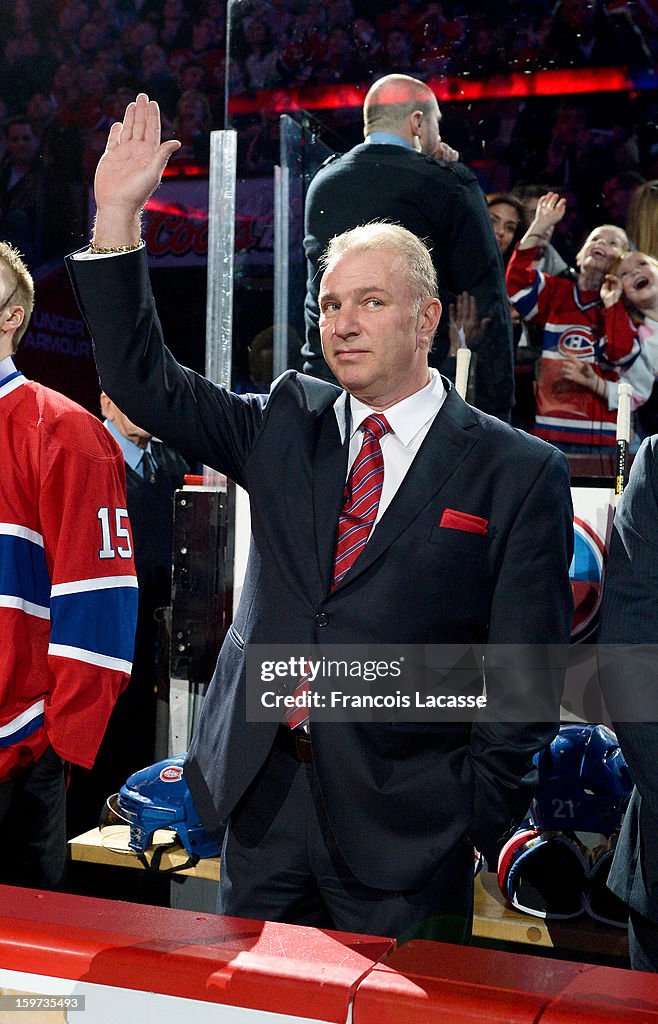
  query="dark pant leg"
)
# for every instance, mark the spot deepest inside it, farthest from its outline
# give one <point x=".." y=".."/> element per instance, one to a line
<point x="280" y="862"/>
<point x="265" y="872"/>
<point x="642" y="942"/>
<point x="441" y="910"/>
<point x="33" y="826"/>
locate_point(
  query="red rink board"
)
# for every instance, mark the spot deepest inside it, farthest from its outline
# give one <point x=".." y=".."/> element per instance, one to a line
<point x="436" y="983"/>
<point x="259" y="965"/>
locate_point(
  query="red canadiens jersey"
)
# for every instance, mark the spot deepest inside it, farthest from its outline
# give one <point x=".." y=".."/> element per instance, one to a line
<point x="575" y="324"/>
<point x="68" y="590"/>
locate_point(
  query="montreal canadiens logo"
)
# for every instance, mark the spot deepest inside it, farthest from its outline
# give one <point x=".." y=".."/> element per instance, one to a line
<point x="173" y="773"/>
<point x="586" y="574"/>
<point x="576" y="341"/>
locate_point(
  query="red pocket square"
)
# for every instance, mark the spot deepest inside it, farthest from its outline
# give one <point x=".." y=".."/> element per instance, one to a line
<point x="454" y="520"/>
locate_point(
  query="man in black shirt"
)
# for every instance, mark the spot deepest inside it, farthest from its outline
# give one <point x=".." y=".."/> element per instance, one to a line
<point x="395" y="175"/>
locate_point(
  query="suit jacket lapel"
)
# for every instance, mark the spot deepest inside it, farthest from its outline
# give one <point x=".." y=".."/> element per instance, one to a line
<point x="329" y="473"/>
<point x="451" y="437"/>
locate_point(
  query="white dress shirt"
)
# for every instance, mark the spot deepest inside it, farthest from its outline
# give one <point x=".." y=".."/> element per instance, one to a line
<point x="409" y="420"/>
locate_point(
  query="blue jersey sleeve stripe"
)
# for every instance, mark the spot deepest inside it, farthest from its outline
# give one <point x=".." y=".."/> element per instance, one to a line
<point x="22" y="734"/>
<point x="99" y="621"/>
<point x="22" y="719"/>
<point x="23" y="571"/>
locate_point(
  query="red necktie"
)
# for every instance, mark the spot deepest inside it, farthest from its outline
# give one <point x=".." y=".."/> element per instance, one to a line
<point x="297" y="716"/>
<point x="362" y="493"/>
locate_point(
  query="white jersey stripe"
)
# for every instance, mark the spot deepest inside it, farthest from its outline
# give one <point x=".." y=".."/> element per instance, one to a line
<point x="90" y="657"/>
<point x="11" y="385"/>
<point x="23" y="719"/>
<point x="101" y="583"/>
<point x="587" y="426"/>
<point x="38" y="610"/>
<point x="13" y="530"/>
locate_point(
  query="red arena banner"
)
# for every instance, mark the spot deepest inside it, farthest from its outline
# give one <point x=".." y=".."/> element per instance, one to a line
<point x="176" y="222"/>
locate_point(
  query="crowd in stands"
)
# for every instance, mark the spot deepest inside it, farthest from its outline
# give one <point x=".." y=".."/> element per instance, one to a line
<point x="70" y="67"/>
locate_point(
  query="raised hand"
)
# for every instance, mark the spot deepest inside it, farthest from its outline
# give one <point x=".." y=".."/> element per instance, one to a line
<point x="610" y="290"/>
<point x="446" y="153"/>
<point x="550" y="211"/>
<point x="128" y="172"/>
<point x="464" y="317"/>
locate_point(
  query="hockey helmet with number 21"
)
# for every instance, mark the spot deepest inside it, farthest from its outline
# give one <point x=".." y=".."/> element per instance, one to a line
<point x="584" y="782"/>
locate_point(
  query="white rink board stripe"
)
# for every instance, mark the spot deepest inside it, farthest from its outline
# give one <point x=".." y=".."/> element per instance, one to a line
<point x="107" y="1004"/>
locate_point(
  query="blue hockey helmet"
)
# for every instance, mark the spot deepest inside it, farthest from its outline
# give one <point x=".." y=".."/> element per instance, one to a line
<point x="584" y="782"/>
<point x="158" y="797"/>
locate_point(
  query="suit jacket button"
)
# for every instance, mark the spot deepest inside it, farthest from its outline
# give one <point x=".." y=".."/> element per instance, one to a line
<point x="282" y="690"/>
<point x="321" y="619"/>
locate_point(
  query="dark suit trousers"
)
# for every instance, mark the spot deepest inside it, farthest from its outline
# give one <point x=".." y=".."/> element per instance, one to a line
<point x="642" y="942"/>
<point x="280" y="862"/>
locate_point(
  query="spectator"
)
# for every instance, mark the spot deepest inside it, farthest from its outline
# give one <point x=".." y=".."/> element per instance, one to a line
<point x="175" y="28"/>
<point x="636" y="274"/>
<point x="91" y="39"/>
<point x="369" y="50"/>
<point x="398" y="51"/>
<point x="65" y="93"/>
<point x="22" y="189"/>
<point x="618" y="193"/>
<point x="191" y="126"/>
<point x="507" y="220"/>
<point x="642" y="221"/>
<point x="258" y="54"/>
<point x="550" y="260"/>
<point x="583" y="321"/>
<point x="585" y="33"/>
<point x="157" y="78"/>
<point x="153" y="473"/>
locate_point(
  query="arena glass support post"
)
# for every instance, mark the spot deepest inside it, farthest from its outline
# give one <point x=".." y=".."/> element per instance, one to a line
<point x="281" y="254"/>
<point x="199" y="601"/>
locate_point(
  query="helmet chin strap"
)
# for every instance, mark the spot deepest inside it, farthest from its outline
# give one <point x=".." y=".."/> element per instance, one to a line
<point x="153" y="865"/>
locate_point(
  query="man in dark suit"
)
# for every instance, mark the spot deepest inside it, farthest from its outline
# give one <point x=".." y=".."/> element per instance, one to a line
<point x="395" y="175"/>
<point x="358" y="825"/>
<point x="627" y="672"/>
<point x="153" y="473"/>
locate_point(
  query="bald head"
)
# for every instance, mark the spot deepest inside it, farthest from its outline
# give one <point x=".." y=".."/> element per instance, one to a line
<point x="391" y="101"/>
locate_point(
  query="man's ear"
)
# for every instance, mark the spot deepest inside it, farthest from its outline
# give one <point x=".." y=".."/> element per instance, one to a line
<point x="429" y="315"/>
<point x="13" y="320"/>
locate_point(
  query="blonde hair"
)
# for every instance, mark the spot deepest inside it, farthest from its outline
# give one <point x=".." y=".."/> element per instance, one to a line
<point x="411" y="252"/>
<point x="642" y="220"/>
<point x="610" y="227"/>
<point x="20" y="285"/>
<point x="616" y="269"/>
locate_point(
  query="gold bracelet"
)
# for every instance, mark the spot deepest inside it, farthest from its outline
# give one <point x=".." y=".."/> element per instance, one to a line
<point x="99" y="250"/>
